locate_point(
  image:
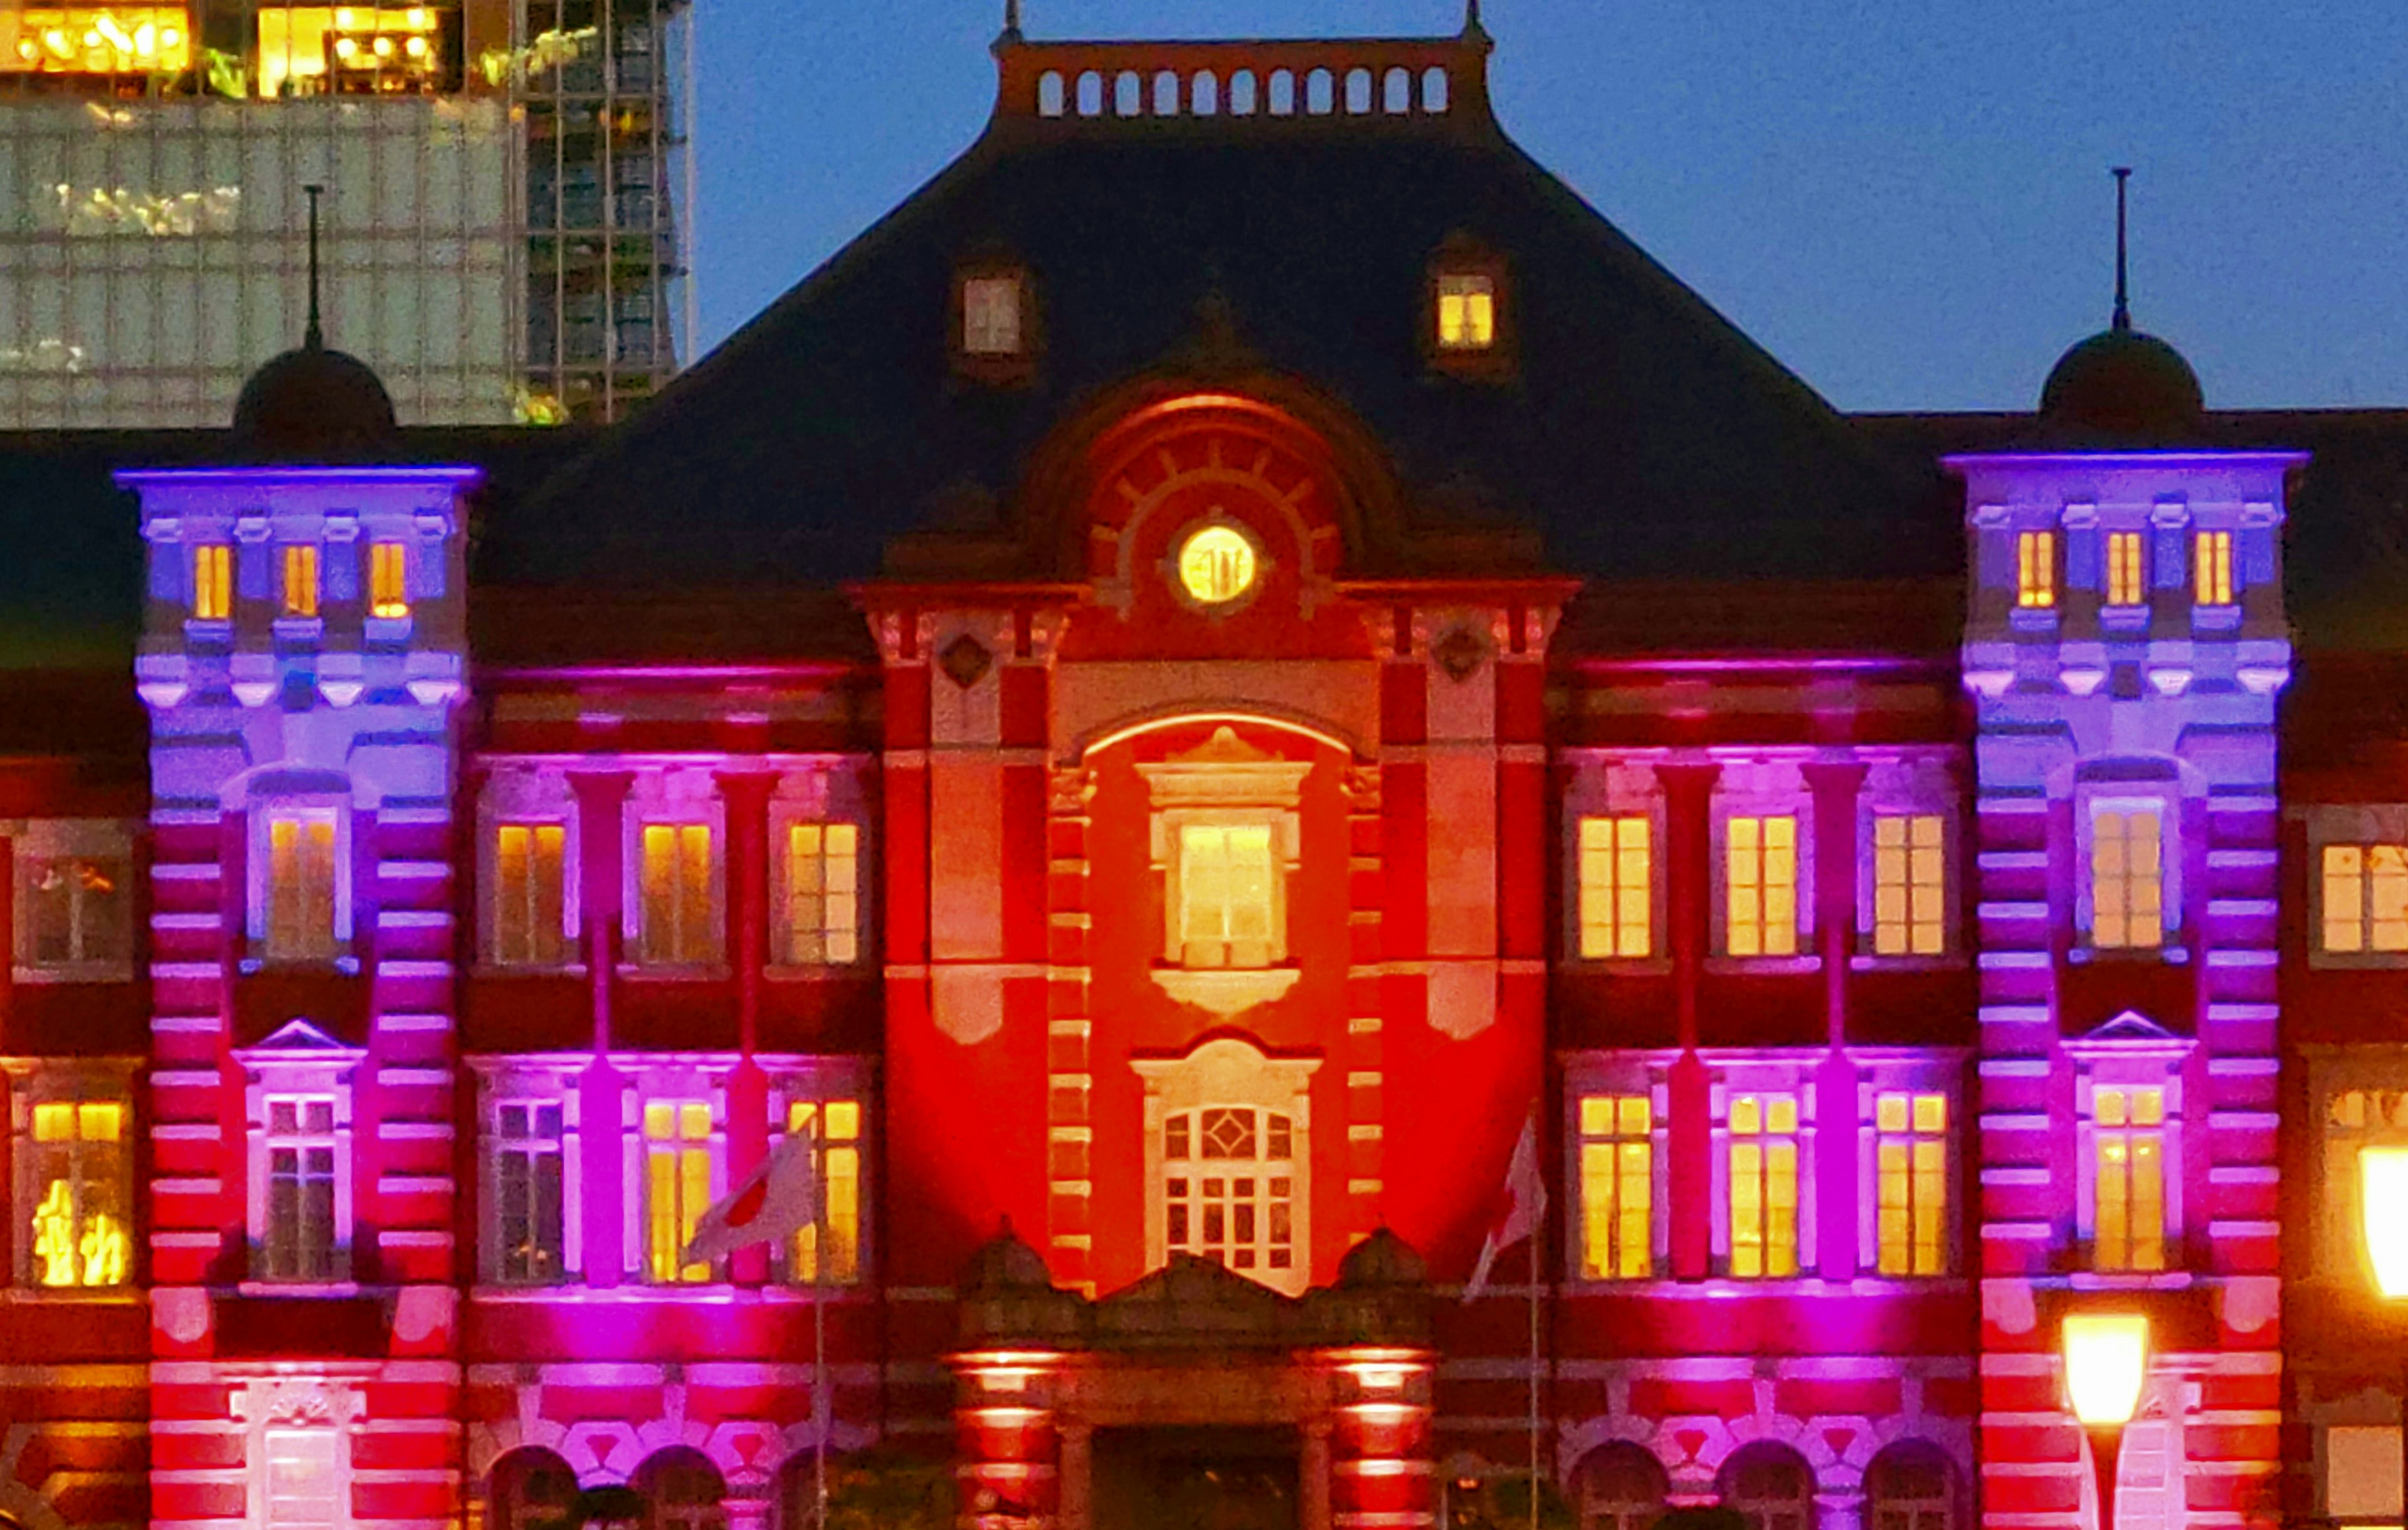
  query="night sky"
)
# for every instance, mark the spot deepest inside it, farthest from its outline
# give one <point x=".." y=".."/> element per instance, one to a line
<point x="1906" y="201"/>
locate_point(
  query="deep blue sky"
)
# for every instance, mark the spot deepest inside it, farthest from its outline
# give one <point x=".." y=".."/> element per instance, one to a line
<point x="1906" y="201"/>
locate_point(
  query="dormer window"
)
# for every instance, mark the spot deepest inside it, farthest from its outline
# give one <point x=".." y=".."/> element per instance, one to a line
<point x="387" y="579"/>
<point x="212" y="581"/>
<point x="301" y="578"/>
<point x="991" y="314"/>
<point x="1466" y="327"/>
<point x="1466" y="310"/>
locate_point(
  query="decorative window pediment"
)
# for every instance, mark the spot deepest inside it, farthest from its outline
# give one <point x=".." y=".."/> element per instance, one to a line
<point x="1225" y="837"/>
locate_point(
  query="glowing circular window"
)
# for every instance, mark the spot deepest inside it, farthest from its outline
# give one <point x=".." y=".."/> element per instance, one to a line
<point x="1216" y="564"/>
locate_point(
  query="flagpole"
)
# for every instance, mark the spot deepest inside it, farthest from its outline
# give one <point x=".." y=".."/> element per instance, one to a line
<point x="1536" y="1233"/>
<point x="819" y="1318"/>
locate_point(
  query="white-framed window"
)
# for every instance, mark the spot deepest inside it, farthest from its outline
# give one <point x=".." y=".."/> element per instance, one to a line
<point x="1910" y="883"/>
<point x="298" y="1101"/>
<point x="212" y="584"/>
<point x="532" y="1177"/>
<point x="1228" y="1161"/>
<point x="2127" y="580"/>
<point x="2129" y="885"/>
<point x="299" y="586"/>
<point x="1466" y="310"/>
<point x="819" y="894"/>
<point x="2211" y="575"/>
<point x="1619" y="1143"/>
<point x="2128" y="1105"/>
<point x="389" y="580"/>
<point x="528" y="920"/>
<point x="73" y="1129"/>
<point x="677" y="880"/>
<point x="1225" y="837"/>
<point x="1615" y="863"/>
<point x="1910" y="1163"/>
<point x="836" y="1125"/>
<point x="307" y="1486"/>
<point x="75" y="904"/>
<point x="991" y="314"/>
<point x="1228" y="888"/>
<point x="679" y="1151"/>
<point x="2365" y="1104"/>
<point x="1762" y="1162"/>
<point x="2036" y="570"/>
<point x="2363" y="898"/>
<point x="300" y="906"/>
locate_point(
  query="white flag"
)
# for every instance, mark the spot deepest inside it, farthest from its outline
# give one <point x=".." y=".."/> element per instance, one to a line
<point x="776" y="1200"/>
<point x="1520" y="1205"/>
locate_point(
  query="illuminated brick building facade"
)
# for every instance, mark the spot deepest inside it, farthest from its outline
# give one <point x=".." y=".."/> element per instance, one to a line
<point x="1239" y="648"/>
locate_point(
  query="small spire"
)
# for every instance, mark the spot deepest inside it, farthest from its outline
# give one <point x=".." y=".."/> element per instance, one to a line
<point x="1012" y="20"/>
<point x="2122" y="319"/>
<point x="1471" y="27"/>
<point x="314" y="338"/>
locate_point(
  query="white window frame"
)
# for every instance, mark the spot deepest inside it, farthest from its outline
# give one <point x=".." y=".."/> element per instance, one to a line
<point x="1917" y="1074"/>
<point x="327" y="806"/>
<point x="2361" y="825"/>
<point x="2163" y="797"/>
<point x="819" y="1086"/>
<point x="70" y="839"/>
<point x="529" y="796"/>
<point x="512" y="1082"/>
<point x="56" y="1082"/>
<point x="680" y="798"/>
<point x="2333" y="1071"/>
<point x="2133" y="1061"/>
<point x="1763" y="789"/>
<point x="299" y="1061"/>
<point x="1914" y="787"/>
<point x="1752" y="1076"/>
<point x="686" y="1082"/>
<point x="1640" y="1075"/>
<point x="1616" y="788"/>
<point x="1227" y="1071"/>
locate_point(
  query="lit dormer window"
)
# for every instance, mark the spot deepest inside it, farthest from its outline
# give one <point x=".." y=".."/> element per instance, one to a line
<point x="387" y="579"/>
<point x="991" y="314"/>
<point x="212" y="581"/>
<point x="301" y="578"/>
<point x="1466" y="310"/>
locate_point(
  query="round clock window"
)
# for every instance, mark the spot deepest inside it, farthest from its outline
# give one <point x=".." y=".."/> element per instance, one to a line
<point x="1217" y="565"/>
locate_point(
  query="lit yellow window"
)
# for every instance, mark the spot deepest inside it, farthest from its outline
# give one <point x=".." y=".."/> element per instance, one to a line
<point x="835" y="1125"/>
<point x="2366" y="897"/>
<point x="678" y="925"/>
<point x="1763" y="1185"/>
<point x="1227" y="895"/>
<point x="2124" y="581"/>
<point x="1617" y="1187"/>
<point x="300" y="578"/>
<point x="529" y="895"/>
<point x="1466" y="310"/>
<point x="1216" y="564"/>
<point x="212" y="581"/>
<point x="2130" y="1178"/>
<point x="2036" y="568"/>
<point x="1909" y="885"/>
<point x="1616" y="894"/>
<point x="822" y="894"/>
<point x="77" y="1170"/>
<point x="1911" y="1147"/>
<point x="2126" y="880"/>
<point x="991" y="316"/>
<point x="676" y="1184"/>
<point x="301" y="886"/>
<point x="2211" y="568"/>
<point x="1761" y="884"/>
<point x="387" y="578"/>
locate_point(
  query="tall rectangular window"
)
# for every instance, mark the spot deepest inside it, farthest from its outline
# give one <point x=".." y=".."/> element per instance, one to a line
<point x="1616" y="895"/>
<point x="679" y="926"/>
<point x="1617" y="1181"/>
<point x="1229" y="1176"/>
<point x="1763" y="1130"/>
<point x="530" y="883"/>
<point x="991" y="323"/>
<point x="2128" y="1177"/>
<point x="1227" y="895"/>
<point x="2365" y="897"/>
<point x="677" y="1185"/>
<point x="2036" y="569"/>
<point x="2127" y="878"/>
<point x="823" y="895"/>
<point x="2126" y="584"/>
<point x="2356" y="1118"/>
<point x="75" y="911"/>
<point x="300" y="1233"/>
<point x="387" y="578"/>
<point x="1911" y="1182"/>
<point x="529" y="1239"/>
<point x="834" y="1128"/>
<point x="1909" y="885"/>
<point x="1761" y="886"/>
<point x="2211" y="554"/>
<point x="72" y="1205"/>
<point x="1466" y="310"/>
<point x="212" y="581"/>
<point x="300" y="578"/>
<point x="300" y="885"/>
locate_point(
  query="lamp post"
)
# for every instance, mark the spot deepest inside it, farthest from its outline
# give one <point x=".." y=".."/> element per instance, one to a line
<point x="2382" y="1212"/>
<point x="2106" y="1359"/>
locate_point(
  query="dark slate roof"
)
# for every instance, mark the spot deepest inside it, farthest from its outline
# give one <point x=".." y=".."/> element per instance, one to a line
<point x="1643" y="434"/>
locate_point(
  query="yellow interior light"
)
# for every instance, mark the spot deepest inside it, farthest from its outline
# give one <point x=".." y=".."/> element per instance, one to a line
<point x="343" y="17"/>
<point x="2383" y="1183"/>
<point x="345" y="48"/>
<point x="57" y="39"/>
<point x="1216" y="564"/>
<point x="146" y="39"/>
<point x="170" y="37"/>
<point x="416" y="16"/>
<point x="2106" y="1359"/>
<point x="415" y="47"/>
<point x="384" y="48"/>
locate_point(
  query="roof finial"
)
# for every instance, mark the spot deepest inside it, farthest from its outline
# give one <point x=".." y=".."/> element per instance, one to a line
<point x="314" y="338"/>
<point x="2123" y="319"/>
<point x="1471" y="27"/>
<point x="1012" y="20"/>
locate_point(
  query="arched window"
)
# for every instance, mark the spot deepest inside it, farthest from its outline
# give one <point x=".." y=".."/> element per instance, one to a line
<point x="1165" y="93"/>
<point x="1282" y="93"/>
<point x="1434" y="89"/>
<point x="1619" y="1487"/>
<point x="1397" y="92"/>
<point x="1091" y="94"/>
<point x="1049" y="93"/>
<point x="1227" y="1161"/>
<point x="1770" y="1486"/>
<point x="682" y="1491"/>
<point x="1204" y="93"/>
<point x="1128" y="93"/>
<point x="1359" y="91"/>
<point x="1909" y="1486"/>
<point x="531" y="1485"/>
<point x="1241" y="94"/>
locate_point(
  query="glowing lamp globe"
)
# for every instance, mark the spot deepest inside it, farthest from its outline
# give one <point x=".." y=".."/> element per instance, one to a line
<point x="2383" y="1183"/>
<point x="2106" y="1359"/>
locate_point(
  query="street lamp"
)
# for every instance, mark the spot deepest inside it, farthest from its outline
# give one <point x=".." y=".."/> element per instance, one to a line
<point x="2106" y="1359"/>
<point x="2382" y="1212"/>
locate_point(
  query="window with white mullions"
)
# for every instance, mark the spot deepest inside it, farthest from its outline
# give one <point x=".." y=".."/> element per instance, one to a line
<point x="2365" y="894"/>
<point x="1229" y="1186"/>
<point x="679" y="923"/>
<point x="300" y="1238"/>
<point x="1228" y="908"/>
<point x="76" y="912"/>
<point x="72" y="1194"/>
<point x="823" y="895"/>
<point x="530" y="892"/>
<point x="528" y="1191"/>
<point x="2127" y="876"/>
<point x="1909" y="885"/>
